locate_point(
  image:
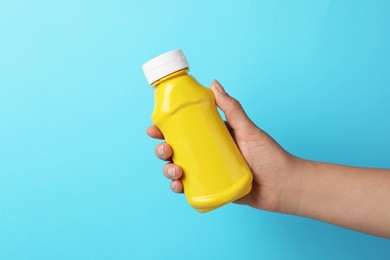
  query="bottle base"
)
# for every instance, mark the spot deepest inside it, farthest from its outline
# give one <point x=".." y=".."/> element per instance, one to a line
<point x="207" y="203"/>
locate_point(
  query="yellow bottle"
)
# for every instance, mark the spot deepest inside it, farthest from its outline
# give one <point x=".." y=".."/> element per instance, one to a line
<point x="215" y="173"/>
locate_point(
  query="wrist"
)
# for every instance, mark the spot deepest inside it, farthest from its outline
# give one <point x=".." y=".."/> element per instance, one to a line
<point x="292" y="191"/>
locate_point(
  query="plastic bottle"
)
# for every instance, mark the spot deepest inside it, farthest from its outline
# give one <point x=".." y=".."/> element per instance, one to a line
<point x="215" y="173"/>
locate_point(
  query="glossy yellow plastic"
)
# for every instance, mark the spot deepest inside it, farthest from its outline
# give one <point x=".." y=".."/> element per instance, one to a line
<point x="215" y="173"/>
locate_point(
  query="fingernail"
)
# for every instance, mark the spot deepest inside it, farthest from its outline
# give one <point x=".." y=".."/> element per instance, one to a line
<point x="173" y="186"/>
<point x="171" y="172"/>
<point x="161" y="150"/>
<point x="218" y="86"/>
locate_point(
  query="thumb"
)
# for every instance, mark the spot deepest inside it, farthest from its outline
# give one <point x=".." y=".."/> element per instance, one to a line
<point x="235" y="114"/>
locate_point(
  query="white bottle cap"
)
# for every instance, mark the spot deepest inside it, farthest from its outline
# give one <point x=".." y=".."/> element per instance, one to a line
<point x="164" y="65"/>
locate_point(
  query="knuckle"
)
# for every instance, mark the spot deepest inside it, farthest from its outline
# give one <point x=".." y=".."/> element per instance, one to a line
<point x="234" y="105"/>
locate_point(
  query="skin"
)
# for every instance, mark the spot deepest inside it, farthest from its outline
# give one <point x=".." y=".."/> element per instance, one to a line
<point x="351" y="197"/>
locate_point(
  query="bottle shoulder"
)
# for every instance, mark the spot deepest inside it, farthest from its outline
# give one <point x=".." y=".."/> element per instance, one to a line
<point x="174" y="95"/>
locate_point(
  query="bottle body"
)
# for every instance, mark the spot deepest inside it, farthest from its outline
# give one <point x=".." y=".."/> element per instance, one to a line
<point x="215" y="173"/>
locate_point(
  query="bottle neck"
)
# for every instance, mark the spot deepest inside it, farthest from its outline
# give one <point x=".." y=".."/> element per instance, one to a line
<point x="171" y="76"/>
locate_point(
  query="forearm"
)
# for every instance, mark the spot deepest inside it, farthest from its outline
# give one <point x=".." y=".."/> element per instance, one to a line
<point x="351" y="197"/>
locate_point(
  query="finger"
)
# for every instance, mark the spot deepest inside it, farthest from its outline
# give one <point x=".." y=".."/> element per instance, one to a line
<point x="233" y="110"/>
<point x="154" y="132"/>
<point x="163" y="151"/>
<point x="172" y="171"/>
<point x="177" y="186"/>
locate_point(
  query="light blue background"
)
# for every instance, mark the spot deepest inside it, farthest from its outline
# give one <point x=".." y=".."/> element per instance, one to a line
<point x="78" y="176"/>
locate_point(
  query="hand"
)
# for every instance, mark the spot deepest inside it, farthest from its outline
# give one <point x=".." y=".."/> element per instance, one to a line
<point x="270" y="164"/>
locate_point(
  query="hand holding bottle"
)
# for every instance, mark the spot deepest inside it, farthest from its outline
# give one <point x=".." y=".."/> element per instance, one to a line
<point x="270" y="164"/>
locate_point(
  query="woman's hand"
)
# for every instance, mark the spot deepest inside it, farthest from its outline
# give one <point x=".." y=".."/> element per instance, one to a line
<point x="271" y="166"/>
